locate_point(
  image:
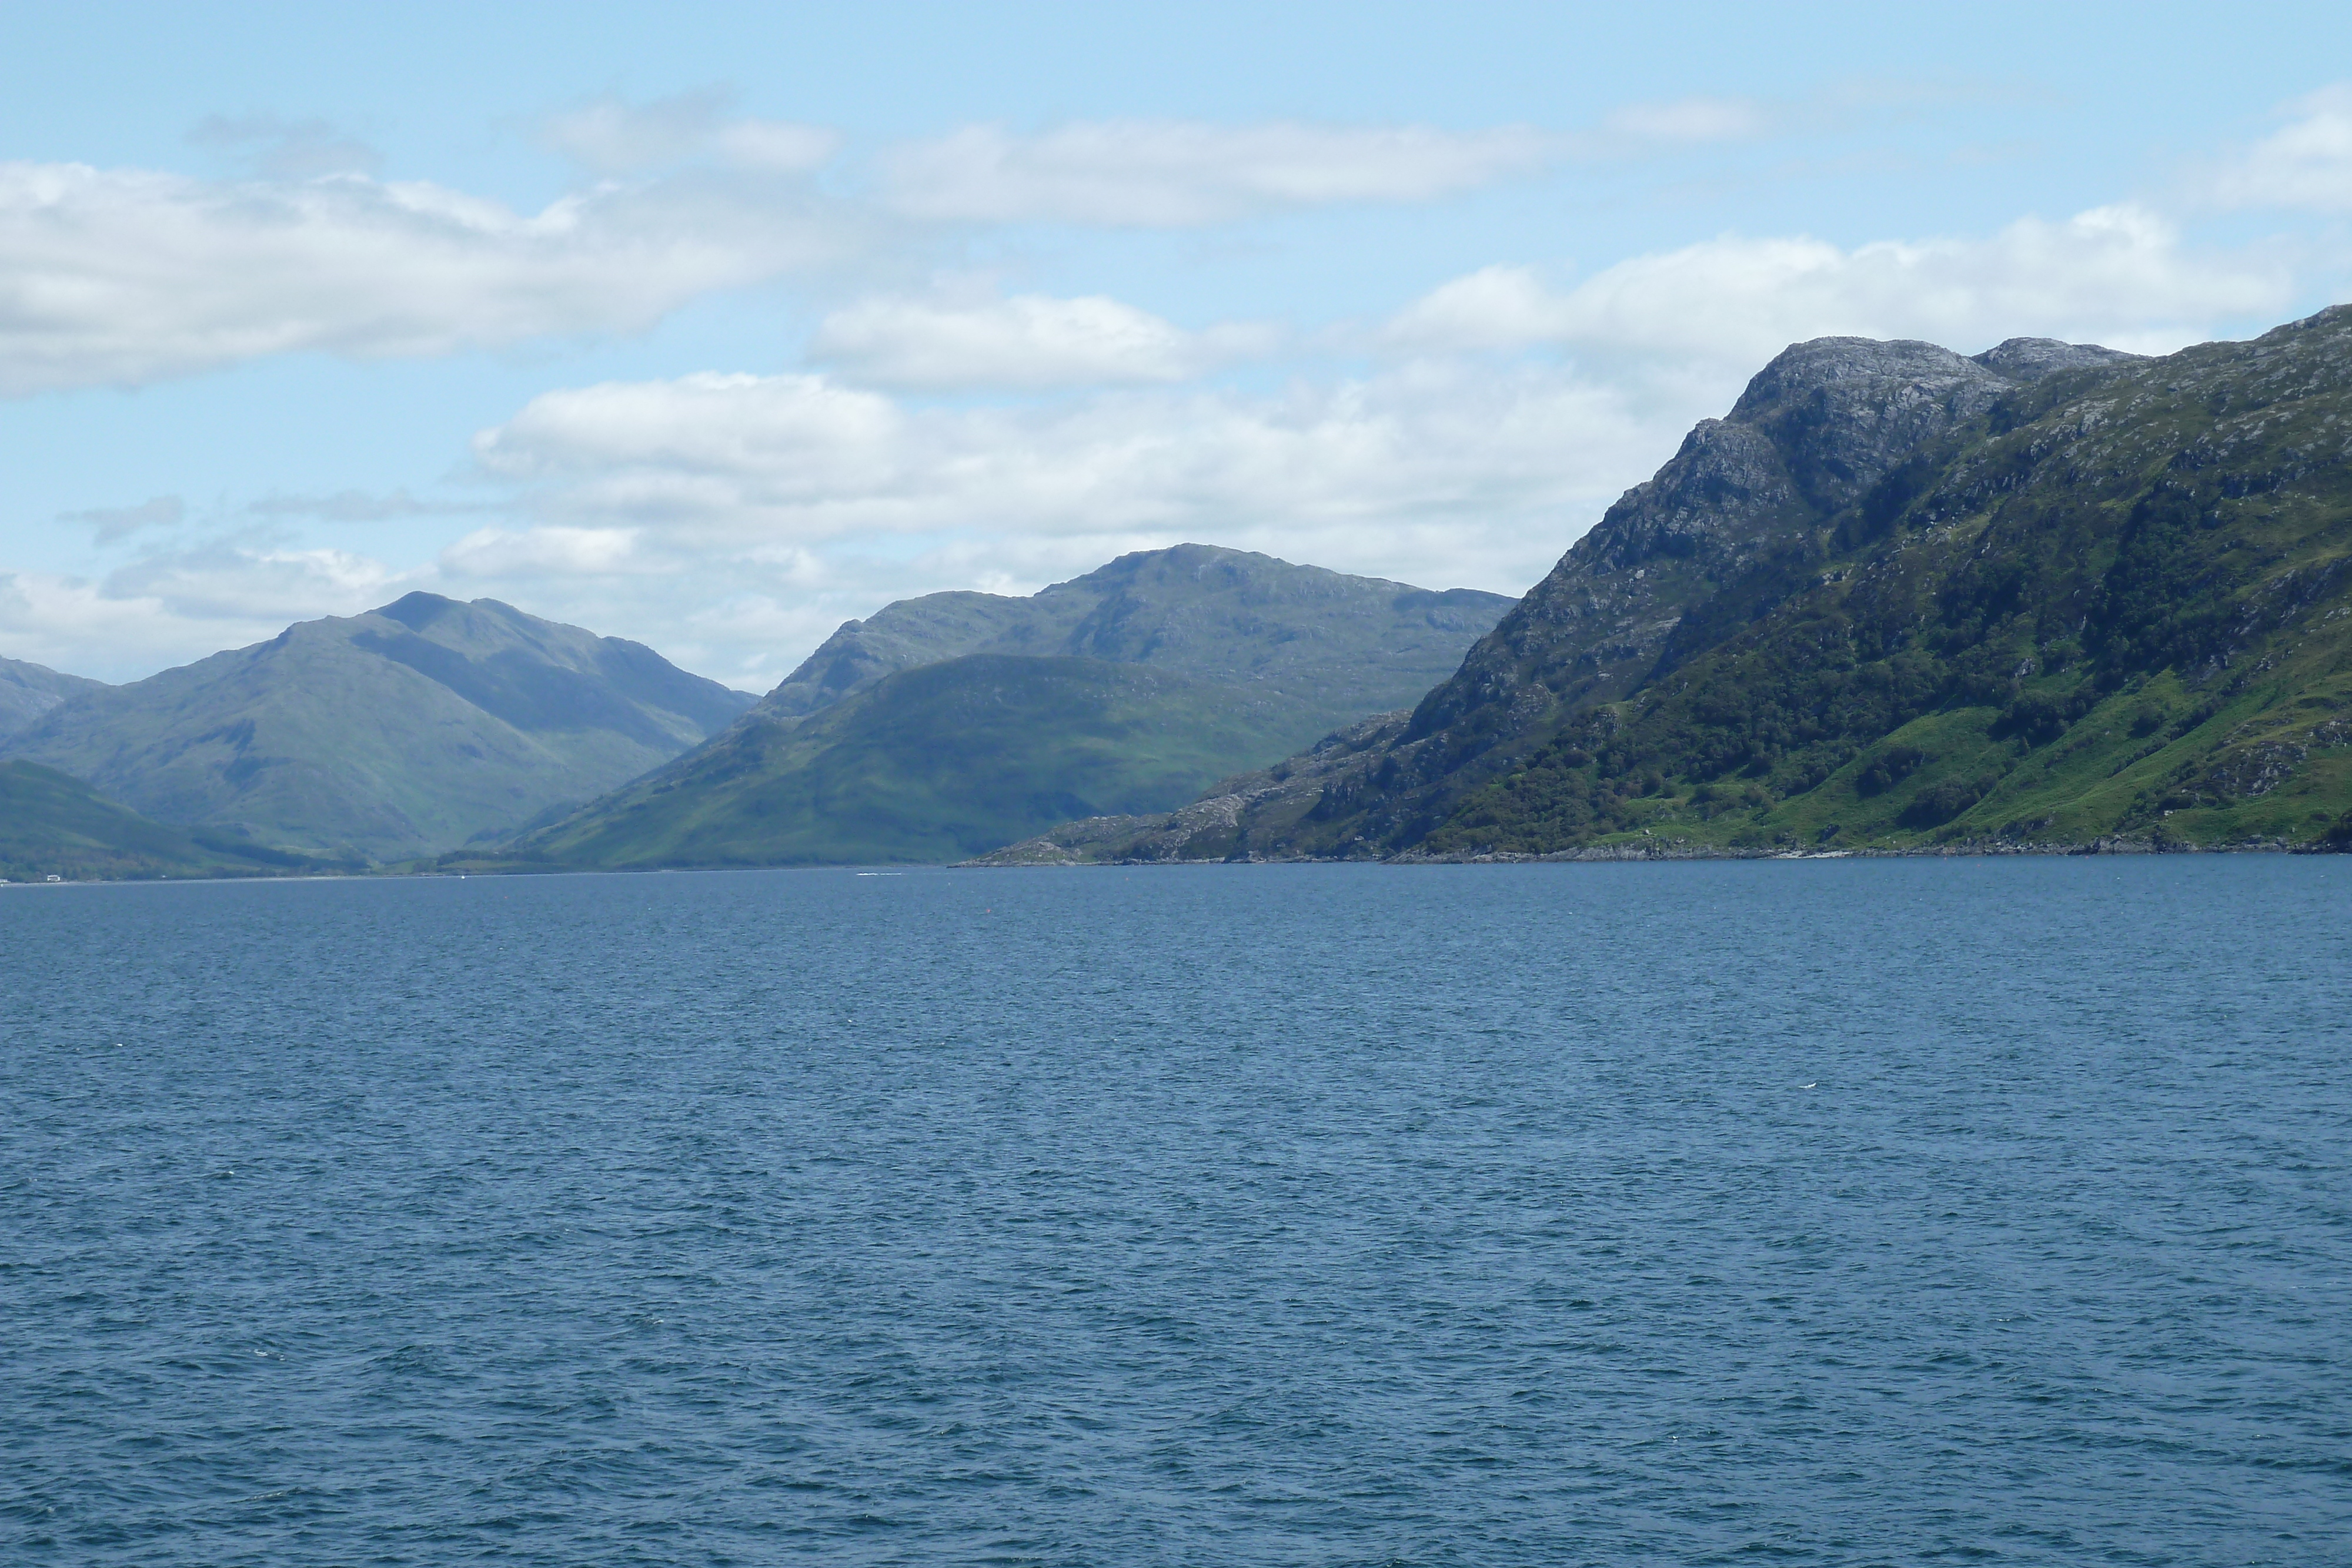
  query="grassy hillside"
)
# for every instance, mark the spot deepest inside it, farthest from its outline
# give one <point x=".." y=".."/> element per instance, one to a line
<point x="932" y="764"/>
<point x="412" y="729"/>
<point x="55" y="825"/>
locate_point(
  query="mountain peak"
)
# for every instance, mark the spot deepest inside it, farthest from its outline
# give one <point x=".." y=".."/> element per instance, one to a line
<point x="2028" y="359"/>
<point x="417" y="611"/>
<point x="408" y="728"/>
<point x="1854" y="368"/>
<point x="1197" y="609"/>
<point x="1855" y="613"/>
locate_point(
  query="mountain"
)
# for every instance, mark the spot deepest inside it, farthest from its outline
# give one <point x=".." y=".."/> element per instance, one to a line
<point x="406" y="730"/>
<point x="1344" y="645"/>
<point x="28" y="691"/>
<point x="2050" y="596"/>
<point x="948" y="724"/>
<point x="931" y="764"/>
<point x="53" y="825"/>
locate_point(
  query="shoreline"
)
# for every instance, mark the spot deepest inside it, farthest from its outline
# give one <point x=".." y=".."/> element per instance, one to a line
<point x="2113" y="845"/>
<point x="1589" y="854"/>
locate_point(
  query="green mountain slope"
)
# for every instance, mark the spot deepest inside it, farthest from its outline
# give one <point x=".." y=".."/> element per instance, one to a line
<point x="28" y="691"/>
<point x="931" y="764"/>
<point x="1897" y="599"/>
<point x="53" y="825"/>
<point x="946" y="726"/>
<point x="408" y="729"/>
<point x="1345" y="645"/>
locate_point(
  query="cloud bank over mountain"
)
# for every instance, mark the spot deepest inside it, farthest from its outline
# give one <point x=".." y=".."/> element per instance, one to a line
<point x="735" y="376"/>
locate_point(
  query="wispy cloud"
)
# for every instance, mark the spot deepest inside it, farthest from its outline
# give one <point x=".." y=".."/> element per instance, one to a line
<point x="2120" y="274"/>
<point x="357" y="506"/>
<point x="610" y="135"/>
<point x="2305" y="164"/>
<point x="109" y="524"/>
<point x="1171" y="173"/>
<point x="274" y="149"/>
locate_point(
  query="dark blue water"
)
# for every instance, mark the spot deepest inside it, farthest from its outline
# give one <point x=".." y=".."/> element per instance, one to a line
<point x="1831" y="1212"/>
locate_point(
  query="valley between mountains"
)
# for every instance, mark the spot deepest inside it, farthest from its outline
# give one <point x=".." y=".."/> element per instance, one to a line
<point x="2049" y="597"/>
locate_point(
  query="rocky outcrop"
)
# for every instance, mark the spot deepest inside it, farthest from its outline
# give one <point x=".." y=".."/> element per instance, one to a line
<point x="1737" y="507"/>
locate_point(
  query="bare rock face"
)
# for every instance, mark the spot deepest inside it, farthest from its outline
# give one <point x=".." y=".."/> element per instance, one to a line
<point x="2028" y="359"/>
<point x="1817" y="427"/>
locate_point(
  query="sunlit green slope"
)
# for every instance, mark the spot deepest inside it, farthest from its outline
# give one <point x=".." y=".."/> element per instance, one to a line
<point x="932" y="764"/>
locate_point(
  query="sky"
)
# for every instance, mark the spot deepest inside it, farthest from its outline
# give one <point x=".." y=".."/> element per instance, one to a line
<point x="714" y="326"/>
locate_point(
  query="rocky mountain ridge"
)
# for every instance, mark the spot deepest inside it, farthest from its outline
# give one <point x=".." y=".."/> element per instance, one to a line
<point x="1872" y="605"/>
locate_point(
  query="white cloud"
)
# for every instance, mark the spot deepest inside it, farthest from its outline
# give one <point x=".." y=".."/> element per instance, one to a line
<point x="760" y="512"/>
<point x="2307" y="165"/>
<point x="1170" y="174"/>
<point x="534" y="554"/>
<point x="1431" y="472"/>
<point x="125" y="276"/>
<point x="803" y="432"/>
<point x="172" y="607"/>
<point x="2118" y="274"/>
<point x="230" y="580"/>
<point x="1029" y="340"/>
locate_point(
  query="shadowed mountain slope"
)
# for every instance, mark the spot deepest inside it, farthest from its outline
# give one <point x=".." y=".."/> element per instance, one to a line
<point x="53" y="825"/>
<point x="411" y="728"/>
<point x="28" y="691"/>
<point x="1896" y="599"/>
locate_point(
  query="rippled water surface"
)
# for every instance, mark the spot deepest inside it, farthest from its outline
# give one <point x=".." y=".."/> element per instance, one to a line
<point x="1826" y="1212"/>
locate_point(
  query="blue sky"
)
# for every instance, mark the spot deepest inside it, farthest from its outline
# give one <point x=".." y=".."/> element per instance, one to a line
<point x="715" y="327"/>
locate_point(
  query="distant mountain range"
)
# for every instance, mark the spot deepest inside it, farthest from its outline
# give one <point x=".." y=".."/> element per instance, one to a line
<point x="400" y="732"/>
<point x="949" y="725"/>
<point x="2049" y="597"/>
<point x="2052" y="596"/>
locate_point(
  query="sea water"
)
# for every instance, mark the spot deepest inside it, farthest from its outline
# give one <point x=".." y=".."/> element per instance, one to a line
<point x="1986" y="1211"/>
